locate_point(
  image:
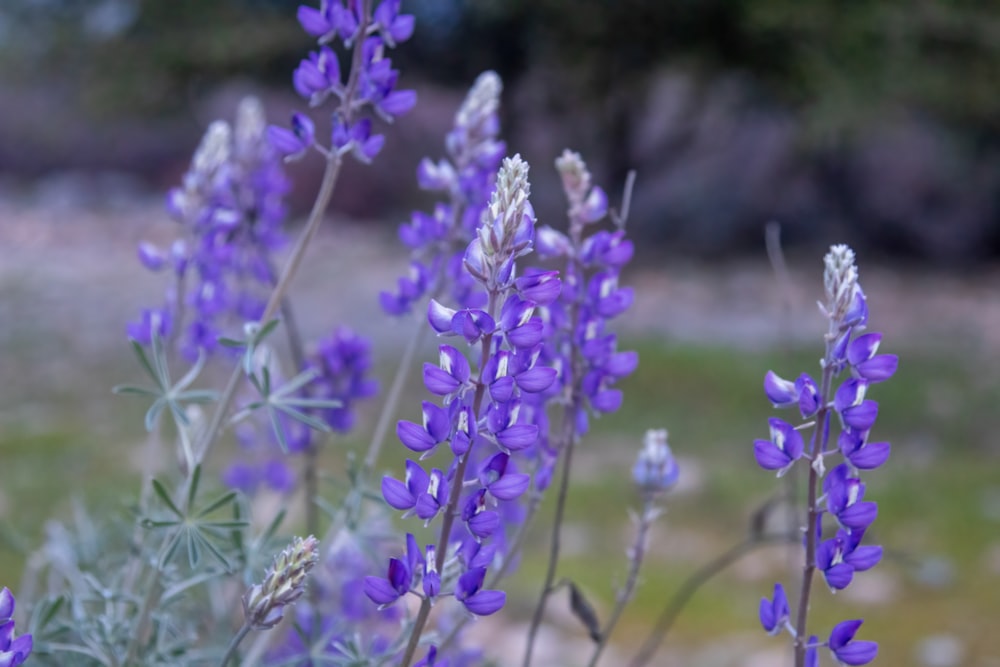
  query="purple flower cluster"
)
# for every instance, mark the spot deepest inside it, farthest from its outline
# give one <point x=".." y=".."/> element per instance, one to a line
<point x="230" y="206"/>
<point x="480" y="418"/>
<point x="437" y="240"/>
<point x="578" y="342"/>
<point x="373" y="84"/>
<point x="13" y="652"/>
<point x="343" y="363"/>
<point x="843" y="493"/>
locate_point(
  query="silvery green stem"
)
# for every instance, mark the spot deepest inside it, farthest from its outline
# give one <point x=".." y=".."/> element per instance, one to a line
<point x="636" y="556"/>
<point x="234" y="643"/>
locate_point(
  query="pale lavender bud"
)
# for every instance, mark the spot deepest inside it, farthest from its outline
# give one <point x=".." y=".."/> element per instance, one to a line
<point x="655" y="469"/>
<point x="284" y="582"/>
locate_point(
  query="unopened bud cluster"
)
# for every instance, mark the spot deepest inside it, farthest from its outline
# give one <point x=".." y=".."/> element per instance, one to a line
<point x="264" y="603"/>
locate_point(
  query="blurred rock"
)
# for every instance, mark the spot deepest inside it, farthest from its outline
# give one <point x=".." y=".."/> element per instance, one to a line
<point x="940" y="651"/>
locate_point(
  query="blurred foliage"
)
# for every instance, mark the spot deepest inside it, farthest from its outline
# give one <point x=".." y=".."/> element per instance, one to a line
<point x="841" y="62"/>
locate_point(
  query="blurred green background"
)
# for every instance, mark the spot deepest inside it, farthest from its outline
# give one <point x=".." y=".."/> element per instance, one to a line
<point x="875" y="124"/>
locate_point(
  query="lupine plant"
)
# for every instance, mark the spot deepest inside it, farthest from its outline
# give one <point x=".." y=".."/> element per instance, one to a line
<point x="835" y="402"/>
<point x="397" y="562"/>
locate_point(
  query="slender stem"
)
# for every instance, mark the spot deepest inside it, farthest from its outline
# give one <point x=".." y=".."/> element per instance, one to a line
<point x="569" y="432"/>
<point x="333" y="165"/>
<point x="233" y="644"/>
<point x="676" y="605"/>
<point x="149" y="601"/>
<point x="649" y="513"/>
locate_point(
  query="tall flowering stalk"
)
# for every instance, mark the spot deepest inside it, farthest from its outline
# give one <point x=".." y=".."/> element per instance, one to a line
<point x="480" y="419"/>
<point x="853" y="356"/>
<point x="578" y="342"/>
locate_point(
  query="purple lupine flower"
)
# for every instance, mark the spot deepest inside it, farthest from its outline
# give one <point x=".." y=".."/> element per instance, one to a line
<point x="846" y="650"/>
<point x="843" y="499"/>
<point x="13" y="650"/>
<point x="467" y="175"/>
<point x="774" y="613"/>
<point x="470" y="593"/>
<point x="343" y="363"/>
<point x="230" y="207"/>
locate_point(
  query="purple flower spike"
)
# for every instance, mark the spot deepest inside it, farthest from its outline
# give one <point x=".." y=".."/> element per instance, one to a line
<point x="782" y="450"/>
<point x="774" y="613"/>
<point x="479" y="602"/>
<point x="847" y="651"/>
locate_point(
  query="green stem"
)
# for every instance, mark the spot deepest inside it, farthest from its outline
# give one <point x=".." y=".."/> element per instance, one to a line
<point x="649" y="513"/>
<point x="234" y="643"/>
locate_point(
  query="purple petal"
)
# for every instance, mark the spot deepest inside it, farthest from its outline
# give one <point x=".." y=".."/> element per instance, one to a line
<point x="439" y="317"/>
<point x="537" y="379"/>
<point x="878" y="368"/>
<point x="857" y="653"/>
<point x="439" y="381"/>
<point x="859" y="515"/>
<point x="839" y="576"/>
<point x="402" y="28"/>
<point x="414" y="436"/>
<point x="518" y="436"/>
<point x="7" y="604"/>
<point x="396" y="494"/>
<point x="398" y="102"/>
<point x="380" y="591"/>
<point x="484" y="524"/>
<point x="313" y="21"/>
<point x="622" y="363"/>
<point x="870" y="456"/>
<point x="861" y="417"/>
<point x="843" y="633"/>
<point x="864" y="558"/>
<point x="527" y="335"/>
<point x="510" y="486"/>
<point x="485" y="603"/>
<point x="427" y="506"/>
<point x="770" y="457"/>
<point x="608" y="400"/>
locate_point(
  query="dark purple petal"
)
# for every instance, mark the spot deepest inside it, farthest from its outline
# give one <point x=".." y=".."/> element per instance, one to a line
<point x="857" y="653"/>
<point x="427" y="507"/>
<point x="414" y="436"/>
<point x="398" y="102"/>
<point x="843" y="633"/>
<point x="543" y="287"/>
<point x="484" y="524"/>
<point x="537" y="379"/>
<point x="313" y="21"/>
<point x="608" y="400"/>
<point x="485" y="603"/>
<point x="502" y="389"/>
<point x="396" y="494"/>
<point x="870" y="456"/>
<point x="839" y="576"/>
<point x="859" y="515"/>
<point x="7" y="604"/>
<point x="518" y="436"/>
<point x="861" y="417"/>
<point x="782" y="393"/>
<point x="863" y="348"/>
<point x="510" y="486"/>
<point x="770" y="457"/>
<point x="439" y="317"/>
<point x="864" y="558"/>
<point x="878" y="368"/>
<point x="380" y="591"/>
<point x="439" y="381"/>
<point x="527" y="335"/>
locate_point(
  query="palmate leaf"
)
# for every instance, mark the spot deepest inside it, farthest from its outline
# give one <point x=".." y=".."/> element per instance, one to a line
<point x="165" y="394"/>
<point x="192" y="531"/>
